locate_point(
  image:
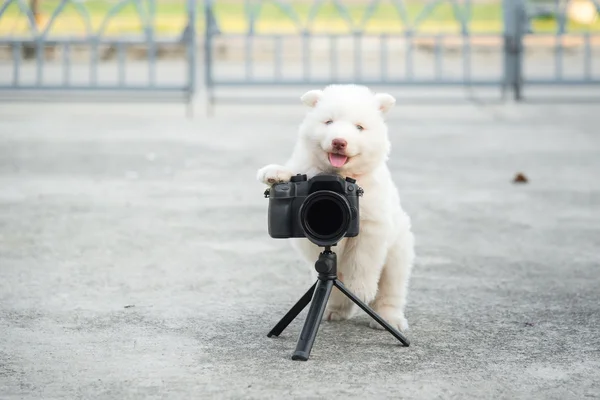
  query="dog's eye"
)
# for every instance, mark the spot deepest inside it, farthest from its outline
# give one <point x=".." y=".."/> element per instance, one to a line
<point x="359" y="127"/>
<point x="328" y="122"/>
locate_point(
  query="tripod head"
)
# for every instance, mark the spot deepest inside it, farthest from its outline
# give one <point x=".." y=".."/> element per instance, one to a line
<point x="326" y="265"/>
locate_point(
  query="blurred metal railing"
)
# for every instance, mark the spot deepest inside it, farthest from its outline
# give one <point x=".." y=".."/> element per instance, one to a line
<point x="495" y="43"/>
<point x="396" y="51"/>
<point x="525" y="66"/>
<point x="572" y="45"/>
<point x="80" y="55"/>
<point x="486" y="43"/>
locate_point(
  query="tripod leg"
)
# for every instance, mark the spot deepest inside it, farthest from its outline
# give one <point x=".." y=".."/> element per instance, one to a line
<point x="372" y="313"/>
<point x="313" y="320"/>
<point x="293" y="313"/>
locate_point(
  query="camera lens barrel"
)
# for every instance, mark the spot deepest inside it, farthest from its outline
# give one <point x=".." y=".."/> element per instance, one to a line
<point x="325" y="217"/>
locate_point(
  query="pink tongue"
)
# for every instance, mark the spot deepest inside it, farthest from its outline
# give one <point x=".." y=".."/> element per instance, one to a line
<point x="337" y="160"/>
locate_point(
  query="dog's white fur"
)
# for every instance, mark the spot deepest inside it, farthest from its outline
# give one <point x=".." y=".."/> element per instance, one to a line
<point x="375" y="265"/>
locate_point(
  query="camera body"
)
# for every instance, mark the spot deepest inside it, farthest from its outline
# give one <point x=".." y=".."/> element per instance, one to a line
<point x="323" y="209"/>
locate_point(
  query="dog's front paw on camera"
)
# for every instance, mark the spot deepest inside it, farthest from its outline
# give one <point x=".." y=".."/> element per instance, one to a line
<point x="393" y="317"/>
<point x="272" y="174"/>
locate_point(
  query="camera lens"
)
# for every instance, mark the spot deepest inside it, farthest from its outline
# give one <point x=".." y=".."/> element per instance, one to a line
<point x="325" y="217"/>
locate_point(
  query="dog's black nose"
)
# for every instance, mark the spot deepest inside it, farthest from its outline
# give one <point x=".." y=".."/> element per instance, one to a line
<point x="339" y="144"/>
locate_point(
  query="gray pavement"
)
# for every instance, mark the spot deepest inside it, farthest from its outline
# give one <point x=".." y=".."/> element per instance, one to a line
<point x="135" y="261"/>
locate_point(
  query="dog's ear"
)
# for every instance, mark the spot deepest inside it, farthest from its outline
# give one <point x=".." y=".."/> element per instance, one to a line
<point x="385" y="101"/>
<point x="311" y="97"/>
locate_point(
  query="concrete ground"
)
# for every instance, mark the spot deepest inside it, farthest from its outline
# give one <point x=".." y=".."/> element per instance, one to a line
<point x="135" y="261"/>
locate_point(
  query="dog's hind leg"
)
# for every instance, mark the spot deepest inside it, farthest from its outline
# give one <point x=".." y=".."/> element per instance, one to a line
<point x="393" y="283"/>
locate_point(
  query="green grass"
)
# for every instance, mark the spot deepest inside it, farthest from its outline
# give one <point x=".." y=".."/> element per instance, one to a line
<point x="170" y="18"/>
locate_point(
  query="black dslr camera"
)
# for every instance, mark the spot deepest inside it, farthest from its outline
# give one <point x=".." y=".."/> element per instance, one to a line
<point x="323" y="209"/>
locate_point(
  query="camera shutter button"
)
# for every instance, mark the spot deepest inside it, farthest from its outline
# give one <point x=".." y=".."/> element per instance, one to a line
<point x="299" y="178"/>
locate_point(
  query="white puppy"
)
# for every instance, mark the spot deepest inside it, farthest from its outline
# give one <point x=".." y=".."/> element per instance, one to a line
<point x="344" y="132"/>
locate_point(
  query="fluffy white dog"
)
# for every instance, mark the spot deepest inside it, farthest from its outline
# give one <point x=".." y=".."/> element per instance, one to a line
<point x="344" y="132"/>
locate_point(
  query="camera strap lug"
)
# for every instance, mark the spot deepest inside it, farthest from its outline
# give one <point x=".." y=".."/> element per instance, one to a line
<point x="360" y="191"/>
<point x="267" y="192"/>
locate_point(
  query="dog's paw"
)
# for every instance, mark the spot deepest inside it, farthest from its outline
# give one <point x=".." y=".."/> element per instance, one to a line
<point x="272" y="174"/>
<point x="393" y="317"/>
<point x="335" y="314"/>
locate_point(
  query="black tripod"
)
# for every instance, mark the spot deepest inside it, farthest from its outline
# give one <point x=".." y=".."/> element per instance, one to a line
<point x="326" y="266"/>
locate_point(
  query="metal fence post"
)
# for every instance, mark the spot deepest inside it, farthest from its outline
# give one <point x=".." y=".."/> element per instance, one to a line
<point x="190" y="39"/>
<point x="210" y="27"/>
<point x="514" y="19"/>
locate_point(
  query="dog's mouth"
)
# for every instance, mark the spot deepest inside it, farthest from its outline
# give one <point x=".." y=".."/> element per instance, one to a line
<point x="337" y="160"/>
